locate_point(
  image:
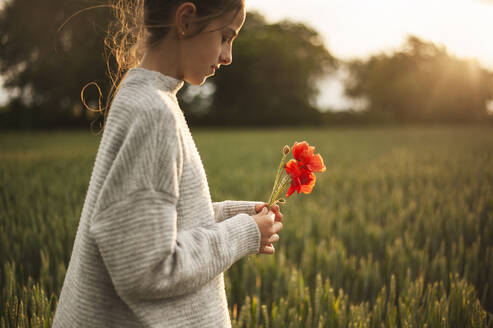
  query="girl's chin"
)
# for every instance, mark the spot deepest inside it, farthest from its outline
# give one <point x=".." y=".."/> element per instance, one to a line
<point x="198" y="82"/>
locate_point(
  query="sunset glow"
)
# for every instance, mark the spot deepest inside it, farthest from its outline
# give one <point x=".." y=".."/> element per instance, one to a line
<point x="356" y="28"/>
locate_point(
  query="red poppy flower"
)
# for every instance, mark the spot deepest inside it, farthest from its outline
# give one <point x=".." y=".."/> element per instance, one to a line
<point x="303" y="153"/>
<point x="302" y="180"/>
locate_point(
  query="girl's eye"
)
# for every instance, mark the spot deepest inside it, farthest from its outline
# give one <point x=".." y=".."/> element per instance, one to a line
<point x="227" y="39"/>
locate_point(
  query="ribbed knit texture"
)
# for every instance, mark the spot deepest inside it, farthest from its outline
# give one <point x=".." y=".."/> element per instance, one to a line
<point x="151" y="246"/>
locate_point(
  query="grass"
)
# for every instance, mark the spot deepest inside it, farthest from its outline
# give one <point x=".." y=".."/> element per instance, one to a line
<point x="396" y="233"/>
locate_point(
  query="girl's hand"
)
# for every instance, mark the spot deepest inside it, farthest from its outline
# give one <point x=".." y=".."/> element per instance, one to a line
<point x="274" y="209"/>
<point x="269" y="230"/>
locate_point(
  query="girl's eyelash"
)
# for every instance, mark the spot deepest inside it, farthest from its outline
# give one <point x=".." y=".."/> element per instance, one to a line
<point x="224" y="39"/>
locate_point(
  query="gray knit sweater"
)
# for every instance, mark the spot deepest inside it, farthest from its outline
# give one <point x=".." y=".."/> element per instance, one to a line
<point x="151" y="246"/>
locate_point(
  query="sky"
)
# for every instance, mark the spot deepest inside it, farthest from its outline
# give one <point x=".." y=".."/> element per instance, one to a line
<point x="360" y="28"/>
<point x="357" y="28"/>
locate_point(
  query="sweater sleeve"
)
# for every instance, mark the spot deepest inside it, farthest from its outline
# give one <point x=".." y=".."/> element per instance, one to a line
<point x="228" y="208"/>
<point x="147" y="258"/>
<point x="145" y="254"/>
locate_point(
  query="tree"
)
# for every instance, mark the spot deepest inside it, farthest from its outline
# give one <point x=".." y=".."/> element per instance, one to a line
<point x="50" y="68"/>
<point x="273" y="77"/>
<point x="422" y="83"/>
<point x="272" y="80"/>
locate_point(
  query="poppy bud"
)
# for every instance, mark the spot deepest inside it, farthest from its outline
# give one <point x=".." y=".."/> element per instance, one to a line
<point x="286" y="150"/>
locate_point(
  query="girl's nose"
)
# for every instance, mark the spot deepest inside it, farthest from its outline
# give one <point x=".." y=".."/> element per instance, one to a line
<point x="226" y="57"/>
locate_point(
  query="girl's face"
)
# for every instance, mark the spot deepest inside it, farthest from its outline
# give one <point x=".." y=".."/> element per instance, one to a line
<point x="202" y="54"/>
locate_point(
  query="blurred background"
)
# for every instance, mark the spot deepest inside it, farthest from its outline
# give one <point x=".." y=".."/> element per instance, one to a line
<point x="318" y="63"/>
<point x="397" y="96"/>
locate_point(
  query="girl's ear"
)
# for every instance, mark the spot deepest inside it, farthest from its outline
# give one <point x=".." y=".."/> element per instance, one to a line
<point x="184" y="15"/>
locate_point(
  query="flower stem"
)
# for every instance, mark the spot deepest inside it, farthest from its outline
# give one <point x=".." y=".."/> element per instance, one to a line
<point x="276" y="180"/>
<point x="276" y="192"/>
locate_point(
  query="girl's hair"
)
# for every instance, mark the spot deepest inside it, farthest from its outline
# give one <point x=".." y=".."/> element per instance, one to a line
<point x="142" y="25"/>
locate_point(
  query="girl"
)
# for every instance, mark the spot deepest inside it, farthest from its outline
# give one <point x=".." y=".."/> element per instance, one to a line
<point x="151" y="247"/>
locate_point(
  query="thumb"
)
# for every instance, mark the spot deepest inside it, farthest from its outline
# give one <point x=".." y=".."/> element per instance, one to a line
<point x="264" y="210"/>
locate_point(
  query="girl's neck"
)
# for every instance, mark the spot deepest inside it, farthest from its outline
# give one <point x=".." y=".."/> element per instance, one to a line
<point x="163" y="59"/>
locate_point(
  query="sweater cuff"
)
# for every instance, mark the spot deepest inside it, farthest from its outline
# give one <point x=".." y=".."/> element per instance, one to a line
<point x="232" y="208"/>
<point x="246" y="235"/>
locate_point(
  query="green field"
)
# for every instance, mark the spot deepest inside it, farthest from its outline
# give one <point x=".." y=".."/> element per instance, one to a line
<point x="398" y="232"/>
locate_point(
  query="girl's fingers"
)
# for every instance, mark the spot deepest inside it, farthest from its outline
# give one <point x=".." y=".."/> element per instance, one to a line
<point x="268" y="249"/>
<point x="277" y="227"/>
<point x="278" y="215"/>
<point x="273" y="239"/>
<point x="274" y="208"/>
<point x="259" y="207"/>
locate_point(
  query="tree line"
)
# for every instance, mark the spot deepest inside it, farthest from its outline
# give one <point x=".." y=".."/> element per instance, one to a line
<point x="273" y="79"/>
